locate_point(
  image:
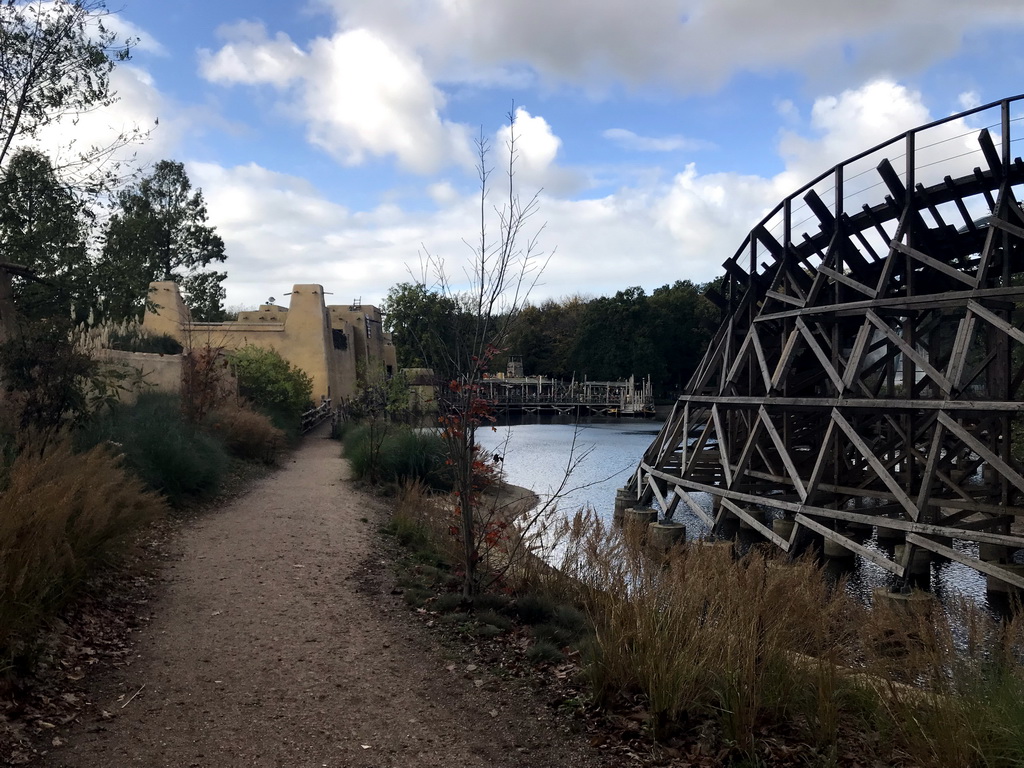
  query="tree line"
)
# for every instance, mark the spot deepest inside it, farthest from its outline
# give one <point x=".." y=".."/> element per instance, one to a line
<point x="662" y="334"/>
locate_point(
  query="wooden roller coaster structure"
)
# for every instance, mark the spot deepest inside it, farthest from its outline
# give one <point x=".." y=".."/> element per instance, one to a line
<point x="870" y="364"/>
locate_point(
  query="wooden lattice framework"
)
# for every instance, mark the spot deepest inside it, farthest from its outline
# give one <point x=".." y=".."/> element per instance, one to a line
<point x="870" y="365"/>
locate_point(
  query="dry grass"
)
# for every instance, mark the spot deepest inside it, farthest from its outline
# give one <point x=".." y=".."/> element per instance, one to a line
<point x="246" y="433"/>
<point x="758" y="645"/>
<point x="766" y="650"/>
<point x="61" y="514"/>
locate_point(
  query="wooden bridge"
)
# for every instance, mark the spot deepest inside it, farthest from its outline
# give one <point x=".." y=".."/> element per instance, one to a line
<point x="539" y="394"/>
<point x="870" y="364"/>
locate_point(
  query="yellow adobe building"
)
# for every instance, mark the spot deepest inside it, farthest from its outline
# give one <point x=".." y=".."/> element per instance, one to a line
<point x="338" y="346"/>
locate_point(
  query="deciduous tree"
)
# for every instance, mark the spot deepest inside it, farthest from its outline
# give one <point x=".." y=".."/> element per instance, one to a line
<point x="502" y="269"/>
<point x="56" y="57"/>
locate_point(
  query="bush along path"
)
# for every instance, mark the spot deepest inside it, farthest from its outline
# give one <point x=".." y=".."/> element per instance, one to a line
<point x="276" y="640"/>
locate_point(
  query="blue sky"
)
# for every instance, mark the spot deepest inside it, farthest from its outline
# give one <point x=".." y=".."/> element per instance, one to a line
<point x="333" y="139"/>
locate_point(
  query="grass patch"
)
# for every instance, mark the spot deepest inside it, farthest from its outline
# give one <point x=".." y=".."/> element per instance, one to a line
<point x="62" y="515"/>
<point x="392" y="453"/>
<point x="246" y="433"/>
<point x="757" y="646"/>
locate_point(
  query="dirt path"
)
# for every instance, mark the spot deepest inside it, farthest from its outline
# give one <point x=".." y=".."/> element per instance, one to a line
<point x="276" y="642"/>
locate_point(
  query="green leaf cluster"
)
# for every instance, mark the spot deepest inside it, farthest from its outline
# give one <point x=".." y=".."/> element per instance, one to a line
<point x="271" y="383"/>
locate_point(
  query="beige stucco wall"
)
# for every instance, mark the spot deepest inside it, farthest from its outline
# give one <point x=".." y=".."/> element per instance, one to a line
<point x="303" y="334"/>
<point x="373" y="347"/>
<point x="155" y="372"/>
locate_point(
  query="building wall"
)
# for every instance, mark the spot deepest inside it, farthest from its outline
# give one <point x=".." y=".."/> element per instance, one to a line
<point x="161" y="373"/>
<point x="331" y="344"/>
<point x="373" y="348"/>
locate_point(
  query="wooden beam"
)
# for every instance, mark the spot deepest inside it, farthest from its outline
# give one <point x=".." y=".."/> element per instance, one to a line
<point x="920" y="360"/>
<point x="846" y="280"/>
<point x="991" y="317"/>
<point x="723" y="444"/>
<point x="783" y="451"/>
<point x="762" y="361"/>
<point x="853" y="403"/>
<point x="869" y="456"/>
<point x="696" y="508"/>
<point x="979" y="565"/>
<point x="757" y="525"/>
<point x="935" y="264"/>
<point x="983" y="450"/>
<point x="826" y="363"/>
<point x="907" y="304"/>
<point x="867" y="554"/>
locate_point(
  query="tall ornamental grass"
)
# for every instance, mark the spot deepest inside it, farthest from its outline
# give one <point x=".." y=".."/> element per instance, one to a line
<point x="62" y="514"/>
<point x="761" y="647"/>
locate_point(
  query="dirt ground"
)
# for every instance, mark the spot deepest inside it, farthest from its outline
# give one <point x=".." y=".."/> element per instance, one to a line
<point x="275" y="641"/>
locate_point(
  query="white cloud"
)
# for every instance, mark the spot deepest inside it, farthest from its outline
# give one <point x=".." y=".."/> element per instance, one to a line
<point x="969" y="100"/>
<point x="443" y="193"/>
<point x="675" y="143"/>
<point x="693" y="45"/>
<point x="280" y="231"/>
<point x="125" y="30"/>
<point x="366" y="97"/>
<point x="360" y="94"/>
<point x="138" y="107"/>
<point x="250" y="57"/>
<point x="536" y="151"/>
<point x="845" y="125"/>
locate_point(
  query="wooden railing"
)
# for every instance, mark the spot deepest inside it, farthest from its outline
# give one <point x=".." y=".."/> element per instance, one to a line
<point x="315" y="416"/>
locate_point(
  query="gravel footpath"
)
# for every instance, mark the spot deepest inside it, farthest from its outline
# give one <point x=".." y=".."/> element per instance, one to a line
<point x="276" y="641"/>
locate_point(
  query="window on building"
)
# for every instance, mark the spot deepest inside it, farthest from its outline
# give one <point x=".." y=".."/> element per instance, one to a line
<point x="339" y="338"/>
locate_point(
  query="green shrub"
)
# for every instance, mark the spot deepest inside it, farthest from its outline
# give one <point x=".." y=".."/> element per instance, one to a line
<point x="532" y="609"/>
<point x="494" y="619"/>
<point x="554" y="634"/>
<point x="166" y="452"/>
<point x="272" y="384"/>
<point x="447" y="602"/>
<point x="544" y="652"/>
<point x="393" y="453"/>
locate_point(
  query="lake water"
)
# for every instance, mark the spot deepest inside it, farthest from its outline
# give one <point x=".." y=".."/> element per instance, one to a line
<point x="603" y="454"/>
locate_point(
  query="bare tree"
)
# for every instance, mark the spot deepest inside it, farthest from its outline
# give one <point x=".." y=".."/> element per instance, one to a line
<point x="502" y="270"/>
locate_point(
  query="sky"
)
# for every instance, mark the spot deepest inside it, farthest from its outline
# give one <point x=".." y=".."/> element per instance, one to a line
<point x="335" y="141"/>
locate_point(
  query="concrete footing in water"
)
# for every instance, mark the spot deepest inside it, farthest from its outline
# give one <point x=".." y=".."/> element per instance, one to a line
<point x="994" y="553"/>
<point x="889" y="535"/>
<point x="835" y="550"/>
<point x="914" y="600"/>
<point x="993" y="584"/>
<point x="783" y="527"/>
<point x="624" y="499"/>
<point x="663" y="536"/>
<point x="640" y="516"/>
<point x="920" y="560"/>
